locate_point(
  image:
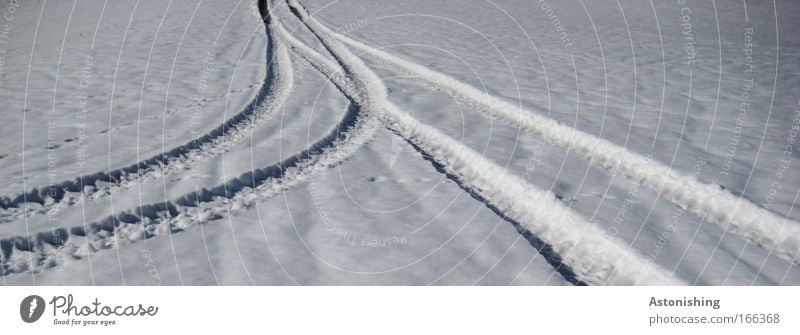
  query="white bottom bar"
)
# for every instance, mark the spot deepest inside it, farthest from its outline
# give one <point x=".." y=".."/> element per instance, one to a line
<point x="403" y="310"/>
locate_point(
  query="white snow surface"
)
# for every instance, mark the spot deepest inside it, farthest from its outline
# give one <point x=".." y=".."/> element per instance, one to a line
<point x="322" y="142"/>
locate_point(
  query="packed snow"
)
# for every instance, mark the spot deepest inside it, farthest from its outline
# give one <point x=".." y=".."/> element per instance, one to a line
<point x="405" y="143"/>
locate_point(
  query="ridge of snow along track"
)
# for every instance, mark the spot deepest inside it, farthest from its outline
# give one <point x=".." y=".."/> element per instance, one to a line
<point x="595" y="257"/>
<point x="49" y="248"/>
<point x="735" y="214"/>
<point x="275" y="88"/>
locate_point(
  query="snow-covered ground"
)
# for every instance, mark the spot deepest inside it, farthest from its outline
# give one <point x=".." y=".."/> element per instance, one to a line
<point x="526" y="142"/>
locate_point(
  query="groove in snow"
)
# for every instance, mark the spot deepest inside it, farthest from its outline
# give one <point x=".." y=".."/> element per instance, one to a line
<point x="735" y="214"/>
<point x="272" y="94"/>
<point x="47" y="249"/>
<point x="595" y="257"/>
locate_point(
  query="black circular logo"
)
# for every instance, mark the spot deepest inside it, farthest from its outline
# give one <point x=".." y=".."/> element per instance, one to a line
<point x="31" y="308"/>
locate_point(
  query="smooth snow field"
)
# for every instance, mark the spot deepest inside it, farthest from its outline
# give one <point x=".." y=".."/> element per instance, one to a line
<point x="358" y="142"/>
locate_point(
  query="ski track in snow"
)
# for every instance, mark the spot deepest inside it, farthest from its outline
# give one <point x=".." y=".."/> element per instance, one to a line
<point x="270" y="98"/>
<point x="736" y="214"/>
<point x="48" y="249"/>
<point x="593" y="256"/>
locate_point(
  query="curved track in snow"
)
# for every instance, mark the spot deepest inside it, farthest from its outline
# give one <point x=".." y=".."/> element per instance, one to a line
<point x="274" y="90"/>
<point x="593" y="256"/>
<point x="47" y="249"/>
<point x="734" y="213"/>
<point x="578" y="250"/>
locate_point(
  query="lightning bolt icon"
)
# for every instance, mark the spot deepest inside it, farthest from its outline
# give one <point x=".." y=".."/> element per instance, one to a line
<point x="32" y="307"/>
